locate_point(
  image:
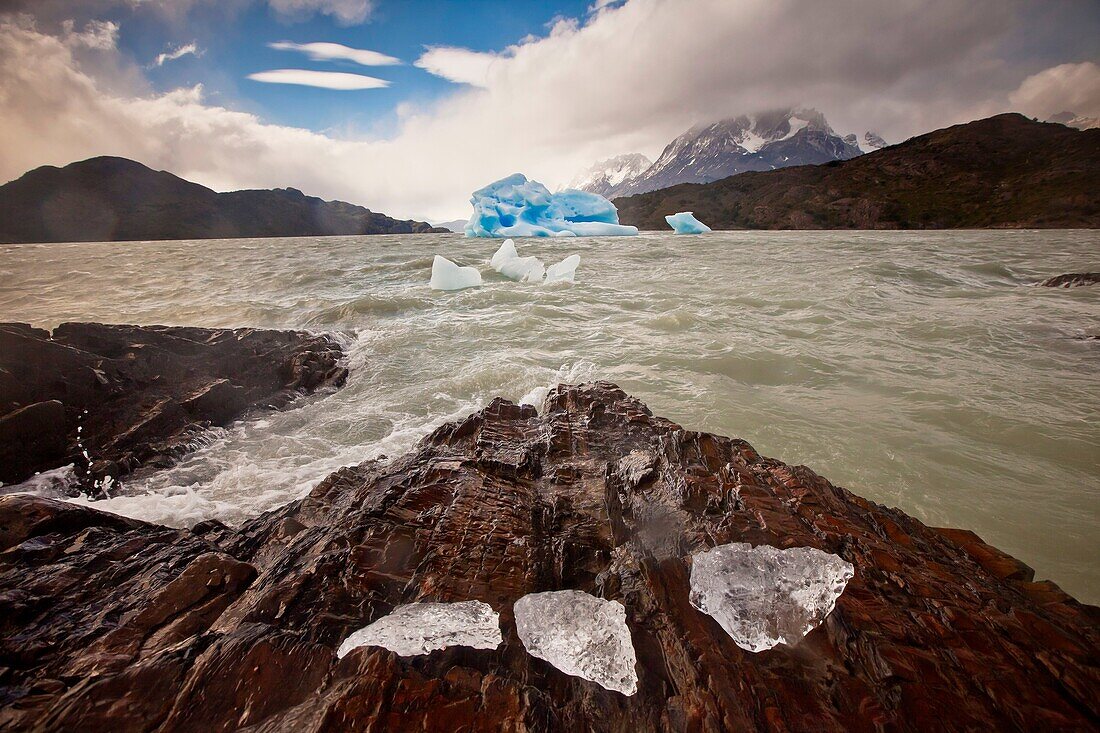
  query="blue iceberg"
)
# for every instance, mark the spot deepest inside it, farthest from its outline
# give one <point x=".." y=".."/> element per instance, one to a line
<point x="517" y="207"/>
<point x="686" y="223"/>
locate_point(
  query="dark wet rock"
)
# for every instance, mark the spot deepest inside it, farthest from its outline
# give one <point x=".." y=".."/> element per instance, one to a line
<point x="133" y="396"/>
<point x="1071" y="280"/>
<point x="112" y="624"/>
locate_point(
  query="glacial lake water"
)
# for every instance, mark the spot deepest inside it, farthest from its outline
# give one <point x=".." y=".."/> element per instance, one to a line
<point x="917" y="369"/>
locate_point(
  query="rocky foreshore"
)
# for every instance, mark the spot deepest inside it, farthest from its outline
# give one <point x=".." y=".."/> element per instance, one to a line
<point x="112" y="398"/>
<point x="114" y="624"/>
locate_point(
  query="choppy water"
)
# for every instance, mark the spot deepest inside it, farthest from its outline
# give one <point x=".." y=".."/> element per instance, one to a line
<point x="916" y="369"/>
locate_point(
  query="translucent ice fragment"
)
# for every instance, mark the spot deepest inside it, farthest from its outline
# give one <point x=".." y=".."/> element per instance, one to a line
<point x="446" y="275"/>
<point x="517" y="207"/>
<point x="581" y="635"/>
<point x="686" y="223"/>
<point x="765" y="596"/>
<point x="507" y="262"/>
<point x="564" y="271"/>
<point x="419" y="628"/>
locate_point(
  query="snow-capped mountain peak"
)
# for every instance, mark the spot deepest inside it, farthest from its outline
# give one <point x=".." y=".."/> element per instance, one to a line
<point x="1072" y="119"/>
<point x="870" y="143"/>
<point x="757" y="142"/>
<point x="608" y="174"/>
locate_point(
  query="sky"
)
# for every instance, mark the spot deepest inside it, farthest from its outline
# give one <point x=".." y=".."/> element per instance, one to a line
<point x="407" y="106"/>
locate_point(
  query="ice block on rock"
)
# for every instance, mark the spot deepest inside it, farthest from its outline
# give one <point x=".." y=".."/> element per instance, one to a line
<point x="765" y="596"/>
<point x="507" y="262"/>
<point x="420" y="628"/>
<point x="446" y="275"/>
<point x="686" y="223"/>
<point x="564" y="271"/>
<point x="581" y="635"/>
<point x="517" y="207"/>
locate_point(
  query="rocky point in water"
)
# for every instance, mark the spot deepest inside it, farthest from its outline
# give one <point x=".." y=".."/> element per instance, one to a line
<point x="109" y="398"/>
<point x="1071" y="280"/>
<point x="108" y="623"/>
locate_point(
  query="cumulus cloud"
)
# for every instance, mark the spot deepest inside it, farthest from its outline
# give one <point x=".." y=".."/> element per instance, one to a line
<point x="460" y="65"/>
<point x="336" y="52"/>
<point x="323" y="79"/>
<point x="345" y="12"/>
<point x="1063" y="88"/>
<point x="98" y="35"/>
<point x="186" y="49"/>
<point x="625" y="79"/>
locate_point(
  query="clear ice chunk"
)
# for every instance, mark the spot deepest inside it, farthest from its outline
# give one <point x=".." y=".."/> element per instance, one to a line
<point x="564" y="271"/>
<point x="507" y="262"/>
<point x="420" y="628"/>
<point x="685" y="223"/>
<point x="446" y="275"/>
<point x="517" y="207"/>
<point x="581" y="635"/>
<point x="765" y="596"/>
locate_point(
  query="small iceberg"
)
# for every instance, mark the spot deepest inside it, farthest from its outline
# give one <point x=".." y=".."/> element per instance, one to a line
<point x="420" y="628"/>
<point x="764" y="596"/>
<point x="581" y="635"/>
<point x="564" y="271"/>
<point x="507" y="262"/>
<point x="517" y="207"/>
<point x="446" y="275"/>
<point x="686" y="223"/>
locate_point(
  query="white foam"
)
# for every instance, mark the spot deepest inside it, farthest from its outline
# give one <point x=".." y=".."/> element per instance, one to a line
<point x="51" y="483"/>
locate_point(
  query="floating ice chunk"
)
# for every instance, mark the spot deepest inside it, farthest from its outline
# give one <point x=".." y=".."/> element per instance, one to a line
<point x="446" y="275"/>
<point x="686" y="223"/>
<point x="517" y="207"/>
<point x="420" y="628"/>
<point x="765" y="596"/>
<point x="507" y="262"/>
<point x="507" y="251"/>
<point x="564" y="271"/>
<point x="581" y="635"/>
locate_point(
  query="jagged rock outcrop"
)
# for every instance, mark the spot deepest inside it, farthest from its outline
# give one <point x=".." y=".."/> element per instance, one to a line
<point x="1071" y="280"/>
<point x="130" y="396"/>
<point x="109" y="623"/>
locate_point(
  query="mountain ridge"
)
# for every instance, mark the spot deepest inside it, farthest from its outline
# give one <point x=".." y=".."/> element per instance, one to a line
<point x="109" y="198"/>
<point x="1005" y="171"/>
<point x="711" y="151"/>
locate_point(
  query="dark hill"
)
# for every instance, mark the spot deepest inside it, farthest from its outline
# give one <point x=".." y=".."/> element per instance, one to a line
<point x="1002" y="172"/>
<point x="111" y="199"/>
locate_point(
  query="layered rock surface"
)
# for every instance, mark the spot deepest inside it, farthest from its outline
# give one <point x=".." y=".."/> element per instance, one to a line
<point x="111" y="398"/>
<point x="108" y="623"/>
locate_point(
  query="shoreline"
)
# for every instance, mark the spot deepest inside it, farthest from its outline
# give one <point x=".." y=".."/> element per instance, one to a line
<point x="589" y="492"/>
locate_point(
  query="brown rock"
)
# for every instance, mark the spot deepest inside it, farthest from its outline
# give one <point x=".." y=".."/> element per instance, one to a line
<point x="114" y="624"/>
